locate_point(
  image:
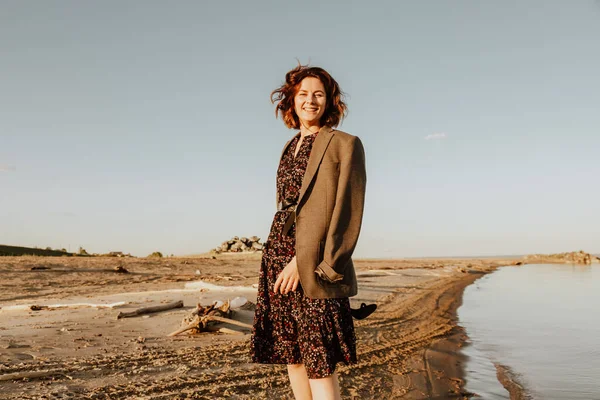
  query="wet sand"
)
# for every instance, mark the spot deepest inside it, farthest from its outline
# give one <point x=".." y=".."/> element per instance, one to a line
<point x="408" y="349"/>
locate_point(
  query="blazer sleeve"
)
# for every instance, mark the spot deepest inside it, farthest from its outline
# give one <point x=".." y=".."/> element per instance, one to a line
<point x="346" y="219"/>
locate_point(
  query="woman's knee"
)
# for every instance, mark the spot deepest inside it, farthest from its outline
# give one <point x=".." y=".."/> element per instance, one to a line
<point x="295" y="367"/>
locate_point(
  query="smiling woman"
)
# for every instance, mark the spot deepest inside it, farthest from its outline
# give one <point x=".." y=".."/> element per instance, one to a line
<point x="288" y="97"/>
<point x="303" y="316"/>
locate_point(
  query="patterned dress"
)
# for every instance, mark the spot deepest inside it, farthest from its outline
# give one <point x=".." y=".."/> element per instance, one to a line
<point x="292" y="328"/>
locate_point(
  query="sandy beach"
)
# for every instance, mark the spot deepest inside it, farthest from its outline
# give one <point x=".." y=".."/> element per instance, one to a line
<point x="77" y="348"/>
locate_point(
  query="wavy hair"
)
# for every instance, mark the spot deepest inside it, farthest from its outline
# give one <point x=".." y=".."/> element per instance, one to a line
<point x="283" y="96"/>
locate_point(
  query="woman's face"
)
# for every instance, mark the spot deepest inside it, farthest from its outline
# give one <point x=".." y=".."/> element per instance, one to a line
<point x="310" y="101"/>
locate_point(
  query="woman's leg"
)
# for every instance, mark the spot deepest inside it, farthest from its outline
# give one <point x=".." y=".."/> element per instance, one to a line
<point x="327" y="388"/>
<point x="299" y="382"/>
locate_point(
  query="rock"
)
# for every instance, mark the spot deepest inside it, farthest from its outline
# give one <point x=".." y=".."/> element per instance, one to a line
<point x="239" y="244"/>
<point x="574" y="257"/>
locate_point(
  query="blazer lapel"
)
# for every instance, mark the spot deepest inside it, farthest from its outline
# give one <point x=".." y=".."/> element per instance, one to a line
<point x="316" y="155"/>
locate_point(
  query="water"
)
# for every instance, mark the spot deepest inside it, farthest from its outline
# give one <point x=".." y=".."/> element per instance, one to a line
<point x="542" y="321"/>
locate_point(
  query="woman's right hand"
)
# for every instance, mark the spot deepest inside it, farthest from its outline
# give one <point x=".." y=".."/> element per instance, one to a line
<point x="288" y="279"/>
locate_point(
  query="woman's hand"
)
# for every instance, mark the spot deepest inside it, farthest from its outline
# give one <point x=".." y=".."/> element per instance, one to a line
<point x="288" y="279"/>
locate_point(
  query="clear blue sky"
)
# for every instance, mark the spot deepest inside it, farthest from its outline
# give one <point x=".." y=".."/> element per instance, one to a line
<point x="140" y="126"/>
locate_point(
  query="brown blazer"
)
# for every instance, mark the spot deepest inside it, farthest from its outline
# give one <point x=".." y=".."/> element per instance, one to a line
<point x="329" y="214"/>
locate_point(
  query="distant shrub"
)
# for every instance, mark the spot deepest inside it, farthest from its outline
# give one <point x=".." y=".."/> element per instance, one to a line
<point x="156" y="254"/>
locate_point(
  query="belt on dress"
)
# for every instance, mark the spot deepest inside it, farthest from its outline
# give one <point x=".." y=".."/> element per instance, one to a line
<point x="290" y="207"/>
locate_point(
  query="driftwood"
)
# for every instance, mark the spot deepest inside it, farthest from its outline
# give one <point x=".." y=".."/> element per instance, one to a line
<point x="149" y="310"/>
<point x="192" y="325"/>
<point x="30" y="375"/>
<point x="224" y="330"/>
<point x="228" y="321"/>
<point x="200" y="319"/>
<point x="35" y="307"/>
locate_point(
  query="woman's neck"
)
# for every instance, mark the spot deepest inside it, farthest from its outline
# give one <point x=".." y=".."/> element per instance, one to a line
<point x="309" y="130"/>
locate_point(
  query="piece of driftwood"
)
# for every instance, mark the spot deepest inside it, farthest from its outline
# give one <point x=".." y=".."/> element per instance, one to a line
<point x="149" y="310"/>
<point x="201" y="319"/>
<point x="35" y="307"/>
<point x="194" y="324"/>
<point x="29" y="375"/>
<point x="228" y="321"/>
<point x="224" y="330"/>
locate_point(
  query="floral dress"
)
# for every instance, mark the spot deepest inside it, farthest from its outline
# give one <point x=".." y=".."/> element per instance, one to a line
<point x="293" y="328"/>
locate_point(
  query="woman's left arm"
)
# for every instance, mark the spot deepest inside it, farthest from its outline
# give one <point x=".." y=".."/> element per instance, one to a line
<point x="346" y="219"/>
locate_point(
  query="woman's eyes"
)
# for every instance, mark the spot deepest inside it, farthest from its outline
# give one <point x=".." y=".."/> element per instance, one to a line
<point x="304" y="94"/>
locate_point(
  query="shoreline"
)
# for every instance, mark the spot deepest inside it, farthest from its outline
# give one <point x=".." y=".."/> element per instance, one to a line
<point x="442" y="359"/>
<point x="408" y="349"/>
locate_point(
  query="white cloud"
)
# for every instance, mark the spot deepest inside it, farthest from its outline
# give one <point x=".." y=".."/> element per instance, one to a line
<point x="436" y="136"/>
<point x="7" y="168"/>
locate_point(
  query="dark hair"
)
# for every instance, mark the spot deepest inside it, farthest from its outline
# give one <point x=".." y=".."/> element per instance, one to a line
<point x="335" y="108"/>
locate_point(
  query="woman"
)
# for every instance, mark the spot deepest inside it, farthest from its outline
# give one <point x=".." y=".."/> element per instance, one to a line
<point x="303" y="316"/>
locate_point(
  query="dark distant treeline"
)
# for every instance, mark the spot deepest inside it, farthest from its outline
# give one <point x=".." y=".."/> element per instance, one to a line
<point x="28" y="251"/>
